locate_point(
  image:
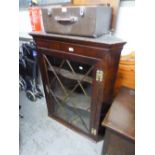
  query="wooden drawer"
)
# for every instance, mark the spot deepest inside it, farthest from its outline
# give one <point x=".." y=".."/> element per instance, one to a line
<point x="70" y="48"/>
<point x="55" y="45"/>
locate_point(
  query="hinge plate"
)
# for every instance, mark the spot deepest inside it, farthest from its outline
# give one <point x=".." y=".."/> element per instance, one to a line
<point x="93" y="131"/>
<point x="99" y="75"/>
<point x="47" y="89"/>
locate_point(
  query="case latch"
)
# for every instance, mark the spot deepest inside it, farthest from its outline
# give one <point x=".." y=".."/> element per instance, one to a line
<point x="49" y="12"/>
<point x="82" y="11"/>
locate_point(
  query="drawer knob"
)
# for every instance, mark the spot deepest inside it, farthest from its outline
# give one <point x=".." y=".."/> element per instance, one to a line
<point x="71" y="49"/>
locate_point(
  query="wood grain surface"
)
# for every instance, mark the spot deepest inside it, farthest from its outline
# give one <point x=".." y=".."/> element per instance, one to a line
<point x="121" y="115"/>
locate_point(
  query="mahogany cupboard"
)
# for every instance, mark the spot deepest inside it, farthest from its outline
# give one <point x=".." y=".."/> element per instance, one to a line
<point x="78" y="76"/>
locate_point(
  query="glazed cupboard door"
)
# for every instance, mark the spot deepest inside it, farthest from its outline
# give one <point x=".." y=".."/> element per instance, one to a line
<point x="70" y="85"/>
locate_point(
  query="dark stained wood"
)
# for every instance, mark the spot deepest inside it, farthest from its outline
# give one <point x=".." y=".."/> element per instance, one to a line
<point x="121" y="116"/>
<point x="120" y="125"/>
<point x="103" y="53"/>
<point x="102" y="41"/>
<point x="83" y="59"/>
<point x="43" y="70"/>
<point x="114" y="144"/>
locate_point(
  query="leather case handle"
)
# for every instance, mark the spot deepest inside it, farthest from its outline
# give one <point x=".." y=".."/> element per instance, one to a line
<point x="66" y="20"/>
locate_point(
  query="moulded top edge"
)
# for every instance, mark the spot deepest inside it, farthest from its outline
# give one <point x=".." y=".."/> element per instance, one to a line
<point x="104" y="39"/>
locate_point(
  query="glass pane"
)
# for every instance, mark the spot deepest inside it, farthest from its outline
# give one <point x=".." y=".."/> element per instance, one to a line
<point x="71" y="88"/>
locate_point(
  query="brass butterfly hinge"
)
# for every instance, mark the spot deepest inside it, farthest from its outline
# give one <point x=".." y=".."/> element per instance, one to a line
<point x="93" y="131"/>
<point x="47" y="89"/>
<point x="99" y="75"/>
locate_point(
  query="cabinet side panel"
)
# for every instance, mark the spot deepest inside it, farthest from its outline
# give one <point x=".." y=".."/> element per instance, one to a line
<point x="110" y="67"/>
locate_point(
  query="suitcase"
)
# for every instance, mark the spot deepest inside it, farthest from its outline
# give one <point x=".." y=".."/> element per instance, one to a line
<point x="91" y="20"/>
<point x="113" y="3"/>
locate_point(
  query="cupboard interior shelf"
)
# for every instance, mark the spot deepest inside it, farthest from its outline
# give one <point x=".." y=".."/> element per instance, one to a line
<point x="68" y="74"/>
<point x="75" y="100"/>
<point x="72" y="117"/>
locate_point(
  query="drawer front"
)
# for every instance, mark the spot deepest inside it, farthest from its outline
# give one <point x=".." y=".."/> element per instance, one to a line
<point x="71" y="48"/>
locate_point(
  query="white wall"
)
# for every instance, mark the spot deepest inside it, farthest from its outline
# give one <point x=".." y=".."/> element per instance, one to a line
<point x="24" y="24"/>
<point x="125" y="28"/>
